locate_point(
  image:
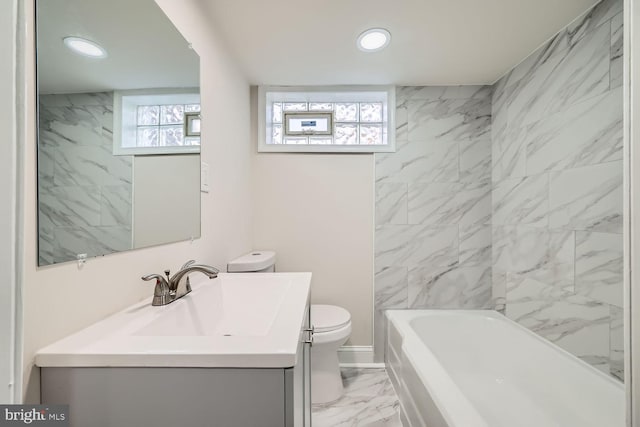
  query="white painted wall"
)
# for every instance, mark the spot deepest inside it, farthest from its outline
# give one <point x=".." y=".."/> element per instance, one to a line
<point x="316" y="212"/>
<point x="8" y="10"/>
<point x="61" y="299"/>
<point x="166" y="199"/>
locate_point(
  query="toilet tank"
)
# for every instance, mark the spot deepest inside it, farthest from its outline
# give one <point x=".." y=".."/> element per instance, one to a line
<point x="253" y="262"/>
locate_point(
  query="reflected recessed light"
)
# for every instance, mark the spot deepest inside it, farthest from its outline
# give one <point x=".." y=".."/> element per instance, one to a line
<point x="374" y="39"/>
<point x="85" y="47"/>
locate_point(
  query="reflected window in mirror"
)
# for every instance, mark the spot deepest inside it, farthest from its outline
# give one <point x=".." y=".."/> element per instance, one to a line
<point x="155" y="122"/>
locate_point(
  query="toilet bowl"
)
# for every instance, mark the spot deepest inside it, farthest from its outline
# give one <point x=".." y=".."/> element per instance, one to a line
<point x="331" y="328"/>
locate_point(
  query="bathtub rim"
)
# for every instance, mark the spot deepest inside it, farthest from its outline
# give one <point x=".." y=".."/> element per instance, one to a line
<point x="453" y="404"/>
<point x="407" y="315"/>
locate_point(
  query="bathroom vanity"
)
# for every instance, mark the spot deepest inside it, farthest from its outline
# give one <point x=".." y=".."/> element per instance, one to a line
<point x="233" y="352"/>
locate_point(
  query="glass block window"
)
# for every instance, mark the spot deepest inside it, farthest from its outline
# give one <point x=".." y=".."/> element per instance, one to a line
<point x="361" y="119"/>
<point x="154" y="122"/>
<point x="163" y="125"/>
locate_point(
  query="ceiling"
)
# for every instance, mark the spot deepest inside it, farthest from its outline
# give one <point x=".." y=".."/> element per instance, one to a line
<point x="144" y="48"/>
<point x="434" y="42"/>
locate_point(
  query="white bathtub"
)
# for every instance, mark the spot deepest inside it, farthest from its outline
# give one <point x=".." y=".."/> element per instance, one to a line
<point x="479" y="369"/>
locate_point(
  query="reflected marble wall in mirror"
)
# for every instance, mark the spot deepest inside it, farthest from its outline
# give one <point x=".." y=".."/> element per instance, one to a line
<point x="118" y="166"/>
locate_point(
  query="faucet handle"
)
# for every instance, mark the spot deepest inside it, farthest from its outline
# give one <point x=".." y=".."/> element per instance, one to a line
<point x="161" y="293"/>
<point x="188" y="263"/>
<point x="153" y="276"/>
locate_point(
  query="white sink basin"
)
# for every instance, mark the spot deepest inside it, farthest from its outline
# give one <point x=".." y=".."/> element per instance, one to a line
<point x="238" y="305"/>
<point x="235" y="320"/>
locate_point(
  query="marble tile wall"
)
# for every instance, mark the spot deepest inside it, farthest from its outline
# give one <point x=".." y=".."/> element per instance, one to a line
<point x="433" y="204"/>
<point x="557" y="189"/>
<point x="85" y="192"/>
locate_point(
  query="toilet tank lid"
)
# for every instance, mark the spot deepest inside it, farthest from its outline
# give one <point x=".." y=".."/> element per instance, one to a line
<point x="253" y="261"/>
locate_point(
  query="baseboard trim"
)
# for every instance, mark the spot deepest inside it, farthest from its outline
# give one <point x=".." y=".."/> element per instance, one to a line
<point x="357" y="356"/>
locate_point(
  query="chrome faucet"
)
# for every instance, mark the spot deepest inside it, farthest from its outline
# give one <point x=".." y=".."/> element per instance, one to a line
<point x="170" y="288"/>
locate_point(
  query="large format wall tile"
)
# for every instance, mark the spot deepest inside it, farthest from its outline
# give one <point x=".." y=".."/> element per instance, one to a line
<point x="575" y="323"/>
<point x="449" y="287"/>
<point x="557" y="189"/>
<point x="419" y="161"/>
<point x="587" y="133"/>
<point x="565" y="78"/>
<point x="475" y="245"/>
<point x="475" y="160"/>
<point x="544" y="255"/>
<point x="438" y="204"/>
<point x="85" y="192"/>
<point x="91" y="166"/>
<point x="616" y="51"/>
<point x="391" y="287"/>
<point x="409" y="245"/>
<point x="75" y="125"/>
<point x="616" y="340"/>
<point x="598" y="266"/>
<point x="116" y="205"/>
<point x="588" y="198"/>
<point x="71" y="206"/>
<point x="391" y="203"/>
<point x="521" y="201"/>
<point x="508" y="155"/>
<point x="433" y="93"/>
<point x="93" y="241"/>
<point x="433" y="204"/>
<point x="451" y="119"/>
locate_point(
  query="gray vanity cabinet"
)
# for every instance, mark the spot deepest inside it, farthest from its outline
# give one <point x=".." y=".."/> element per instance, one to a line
<point x="186" y="397"/>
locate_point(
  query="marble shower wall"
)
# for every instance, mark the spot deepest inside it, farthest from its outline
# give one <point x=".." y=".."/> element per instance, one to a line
<point x="433" y="204"/>
<point x="557" y="189"/>
<point x="85" y="191"/>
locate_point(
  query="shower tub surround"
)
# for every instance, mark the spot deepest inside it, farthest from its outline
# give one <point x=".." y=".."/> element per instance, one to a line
<point x="433" y="204"/>
<point x="85" y="192"/>
<point x="557" y="189"/>
<point x="510" y="196"/>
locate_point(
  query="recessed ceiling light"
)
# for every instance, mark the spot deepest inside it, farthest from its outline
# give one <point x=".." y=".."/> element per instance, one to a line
<point x="374" y="39"/>
<point x="85" y="47"/>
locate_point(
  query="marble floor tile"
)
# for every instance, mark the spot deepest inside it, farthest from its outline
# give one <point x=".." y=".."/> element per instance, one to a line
<point x="368" y="401"/>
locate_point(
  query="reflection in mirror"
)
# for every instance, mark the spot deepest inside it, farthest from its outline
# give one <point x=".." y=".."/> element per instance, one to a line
<point x="118" y="129"/>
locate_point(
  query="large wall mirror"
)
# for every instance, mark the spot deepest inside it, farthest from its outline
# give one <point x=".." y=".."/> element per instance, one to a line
<point x="118" y="129"/>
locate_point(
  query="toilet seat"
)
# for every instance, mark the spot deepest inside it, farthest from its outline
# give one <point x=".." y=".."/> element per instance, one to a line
<point x="328" y="318"/>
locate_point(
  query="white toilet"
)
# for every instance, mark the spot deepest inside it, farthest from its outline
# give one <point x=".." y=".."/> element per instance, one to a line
<point x="332" y="328"/>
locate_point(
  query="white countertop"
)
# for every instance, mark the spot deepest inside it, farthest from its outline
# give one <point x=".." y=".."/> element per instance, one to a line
<point x="241" y="320"/>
